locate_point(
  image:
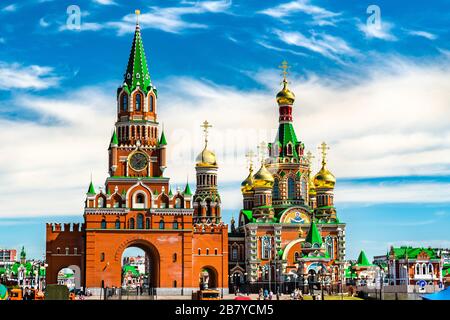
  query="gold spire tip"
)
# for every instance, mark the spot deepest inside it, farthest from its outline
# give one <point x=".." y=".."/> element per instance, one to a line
<point x="137" y="12"/>
<point x="285" y="67"/>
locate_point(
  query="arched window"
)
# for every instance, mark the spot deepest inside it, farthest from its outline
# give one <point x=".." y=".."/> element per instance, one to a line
<point x="140" y="221"/>
<point x="199" y="251"/>
<point x="424" y="268"/>
<point x="100" y="202"/>
<point x="430" y="268"/>
<point x="117" y="224"/>
<point x="276" y="189"/>
<point x="124" y="102"/>
<point x="329" y="244"/>
<point x="147" y="223"/>
<point x="303" y="187"/>
<point x="289" y="149"/>
<point x="103" y="224"/>
<point x="131" y="223"/>
<point x="151" y="103"/>
<point x="178" y="203"/>
<point x="174" y="283"/>
<point x="215" y="251"/>
<point x="174" y="257"/>
<point x="161" y="224"/>
<point x="175" y="224"/>
<point x="138" y="102"/>
<point x="207" y="252"/>
<point x="417" y="268"/>
<point x="296" y="256"/>
<point x="140" y="198"/>
<point x="139" y="201"/>
<point x="291" y="188"/>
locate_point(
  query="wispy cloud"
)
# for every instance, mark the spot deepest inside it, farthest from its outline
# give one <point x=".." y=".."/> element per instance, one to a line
<point x="423" y="34"/>
<point x="327" y="45"/>
<point x="10" y="8"/>
<point x="171" y="19"/>
<point x="105" y="2"/>
<point x="84" y="26"/>
<point x="320" y="16"/>
<point x="383" y="31"/>
<point x="17" y="76"/>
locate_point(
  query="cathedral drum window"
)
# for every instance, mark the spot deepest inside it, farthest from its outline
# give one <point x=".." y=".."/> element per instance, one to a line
<point x="138" y="161"/>
<point x="266" y="247"/>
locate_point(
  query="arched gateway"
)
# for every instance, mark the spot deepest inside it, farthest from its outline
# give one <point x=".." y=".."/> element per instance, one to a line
<point x="138" y="207"/>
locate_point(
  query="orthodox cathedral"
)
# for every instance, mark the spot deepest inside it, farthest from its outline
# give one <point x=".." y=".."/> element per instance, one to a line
<point x="288" y="229"/>
<point x="288" y="226"/>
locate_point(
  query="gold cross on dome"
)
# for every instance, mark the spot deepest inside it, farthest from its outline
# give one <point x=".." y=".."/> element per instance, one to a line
<point x="285" y="67"/>
<point x="323" y="148"/>
<point x="205" y="127"/>
<point x="249" y="155"/>
<point x="309" y="157"/>
<point x="262" y="150"/>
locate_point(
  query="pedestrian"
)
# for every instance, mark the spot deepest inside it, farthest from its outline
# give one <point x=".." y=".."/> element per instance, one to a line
<point x="270" y="295"/>
<point x="266" y="294"/>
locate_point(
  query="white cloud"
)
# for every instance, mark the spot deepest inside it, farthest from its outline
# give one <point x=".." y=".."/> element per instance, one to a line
<point x="17" y="76"/>
<point x="10" y="8"/>
<point x="105" y="2"/>
<point x="319" y="15"/>
<point x="171" y="19"/>
<point x="329" y="46"/>
<point x="423" y="34"/>
<point x="394" y="122"/>
<point x="84" y="26"/>
<point x="383" y="31"/>
<point x="43" y="23"/>
<point x="2" y="40"/>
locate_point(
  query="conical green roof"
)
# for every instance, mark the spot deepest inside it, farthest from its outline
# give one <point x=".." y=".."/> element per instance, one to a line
<point x="91" y="189"/>
<point x="313" y="235"/>
<point x="137" y="68"/>
<point x="187" y="190"/>
<point x="23" y="254"/>
<point x="162" y="140"/>
<point x="114" y="140"/>
<point x="170" y="192"/>
<point x="362" y="259"/>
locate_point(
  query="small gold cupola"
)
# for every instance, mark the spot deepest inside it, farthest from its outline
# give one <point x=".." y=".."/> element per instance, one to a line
<point x="206" y="158"/>
<point x="324" y="178"/>
<point x="285" y="96"/>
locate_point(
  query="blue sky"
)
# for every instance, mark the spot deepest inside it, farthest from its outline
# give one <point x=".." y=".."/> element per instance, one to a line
<point x="378" y="97"/>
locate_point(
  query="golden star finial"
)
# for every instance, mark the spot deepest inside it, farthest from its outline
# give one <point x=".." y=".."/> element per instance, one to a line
<point x="137" y="12"/>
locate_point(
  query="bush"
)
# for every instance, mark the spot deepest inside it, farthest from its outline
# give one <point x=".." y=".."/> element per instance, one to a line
<point x="56" y="292"/>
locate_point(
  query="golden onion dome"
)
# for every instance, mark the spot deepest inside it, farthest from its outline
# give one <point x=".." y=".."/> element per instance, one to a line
<point x="285" y="96"/>
<point x="206" y="158"/>
<point x="324" y="179"/>
<point x="247" y="184"/>
<point x="263" y="178"/>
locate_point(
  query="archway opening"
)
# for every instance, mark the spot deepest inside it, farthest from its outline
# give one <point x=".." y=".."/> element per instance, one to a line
<point x="140" y="268"/>
<point x="208" y="278"/>
<point x="70" y="276"/>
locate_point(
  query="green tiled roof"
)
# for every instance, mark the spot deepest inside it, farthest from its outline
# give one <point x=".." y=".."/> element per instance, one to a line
<point x="286" y="134"/>
<point x="91" y="189"/>
<point x="162" y="140"/>
<point x="313" y="235"/>
<point x="187" y="190"/>
<point x="412" y="253"/>
<point x="362" y="259"/>
<point x="131" y="269"/>
<point x="137" y="68"/>
<point x="170" y="192"/>
<point x="114" y="140"/>
<point x="249" y="215"/>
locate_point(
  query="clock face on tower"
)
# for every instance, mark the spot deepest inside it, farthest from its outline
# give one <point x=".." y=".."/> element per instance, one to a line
<point x="138" y="161"/>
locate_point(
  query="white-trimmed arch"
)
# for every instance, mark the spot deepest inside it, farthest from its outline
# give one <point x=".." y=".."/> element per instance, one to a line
<point x="289" y="247"/>
<point x="130" y="191"/>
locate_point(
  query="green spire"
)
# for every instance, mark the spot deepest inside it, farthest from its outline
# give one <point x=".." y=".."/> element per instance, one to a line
<point x="162" y="141"/>
<point x="107" y="191"/>
<point x="91" y="189"/>
<point x="114" y="140"/>
<point x="313" y="235"/>
<point x="137" y="69"/>
<point x="170" y="192"/>
<point x="286" y="135"/>
<point x="187" y="190"/>
<point x="362" y="259"/>
<point x="23" y="254"/>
